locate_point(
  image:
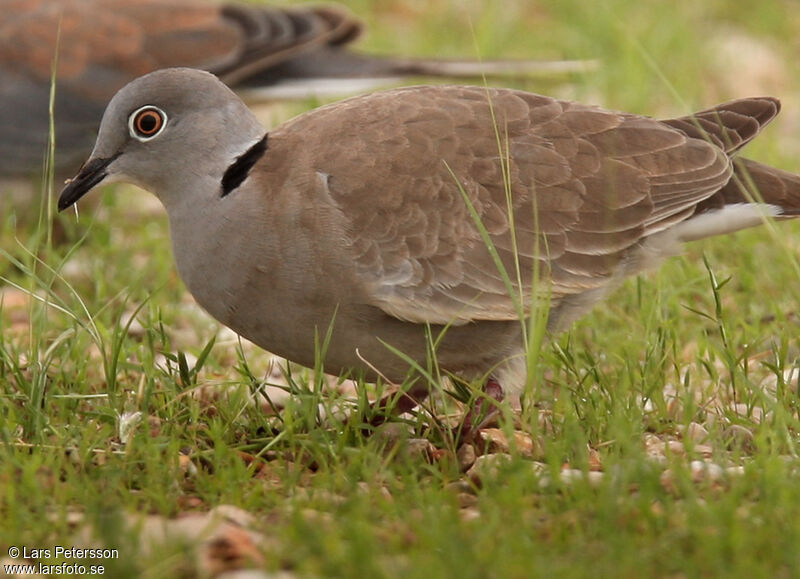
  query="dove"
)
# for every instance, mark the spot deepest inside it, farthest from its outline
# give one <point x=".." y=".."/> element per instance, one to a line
<point x="95" y="47"/>
<point x="427" y="217"/>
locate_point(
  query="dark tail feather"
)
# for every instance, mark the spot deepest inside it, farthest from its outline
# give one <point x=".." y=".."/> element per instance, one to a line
<point x="754" y="182"/>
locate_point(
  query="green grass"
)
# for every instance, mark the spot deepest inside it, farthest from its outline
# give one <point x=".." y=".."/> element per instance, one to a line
<point x="709" y="340"/>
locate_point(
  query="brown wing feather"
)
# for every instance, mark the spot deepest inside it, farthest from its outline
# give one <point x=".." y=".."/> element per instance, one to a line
<point x="730" y="125"/>
<point x="586" y="185"/>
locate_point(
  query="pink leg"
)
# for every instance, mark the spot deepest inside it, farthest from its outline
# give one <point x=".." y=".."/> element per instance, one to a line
<point x="390" y="405"/>
<point x="484" y="411"/>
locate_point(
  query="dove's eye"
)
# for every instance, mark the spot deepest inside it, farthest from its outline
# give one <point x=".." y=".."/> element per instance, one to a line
<point x="146" y="123"/>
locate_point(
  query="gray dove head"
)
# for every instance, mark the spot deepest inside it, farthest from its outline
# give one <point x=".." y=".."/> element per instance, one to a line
<point x="173" y="132"/>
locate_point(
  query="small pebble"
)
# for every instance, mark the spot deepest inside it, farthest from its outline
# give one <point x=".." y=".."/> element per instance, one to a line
<point x="495" y="441"/>
<point x="705" y="471"/>
<point x="469" y="514"/>
<point x="741" y="437"/>
<point x="487" y="466"/>
<point x="466" y="457"/>
<point x="696" y="432"/>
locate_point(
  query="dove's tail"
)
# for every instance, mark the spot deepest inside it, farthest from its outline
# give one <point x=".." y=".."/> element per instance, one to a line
<point x="765" y="183"/>
<point x="754" y="182"/>
<point x="755" y="191"/>
<point x="730" y="126"/>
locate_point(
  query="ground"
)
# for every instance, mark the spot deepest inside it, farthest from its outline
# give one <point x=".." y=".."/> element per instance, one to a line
<point x="659" y="438"/>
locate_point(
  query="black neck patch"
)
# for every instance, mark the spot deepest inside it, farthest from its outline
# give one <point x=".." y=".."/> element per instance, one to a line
<point x="240" y="168"/>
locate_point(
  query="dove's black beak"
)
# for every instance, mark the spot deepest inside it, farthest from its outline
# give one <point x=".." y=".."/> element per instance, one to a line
<point x="90" y="175"/>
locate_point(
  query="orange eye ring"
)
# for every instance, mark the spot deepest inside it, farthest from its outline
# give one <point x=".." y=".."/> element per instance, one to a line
<point x="146" y="123"/>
